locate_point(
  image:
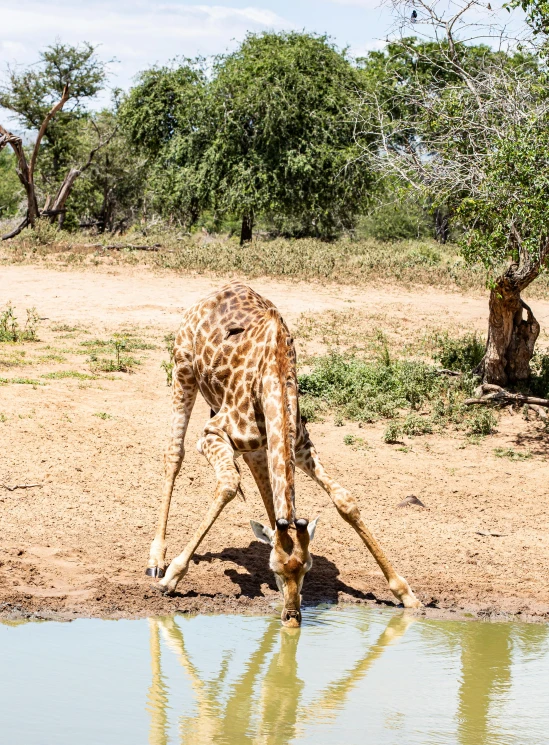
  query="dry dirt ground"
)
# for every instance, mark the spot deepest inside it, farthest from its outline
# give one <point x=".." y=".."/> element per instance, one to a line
<point x="77" y="545"/>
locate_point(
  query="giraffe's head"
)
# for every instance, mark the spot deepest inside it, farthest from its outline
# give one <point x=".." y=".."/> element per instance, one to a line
<point x="290" y="561"/>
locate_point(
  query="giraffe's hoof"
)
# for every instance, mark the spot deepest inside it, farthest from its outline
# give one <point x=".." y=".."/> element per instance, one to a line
<point x="164" y="590"/>
<point x="156" y="572"/>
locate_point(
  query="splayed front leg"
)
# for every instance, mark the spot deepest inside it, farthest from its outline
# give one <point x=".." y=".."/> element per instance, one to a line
<point x="221" y="456"/>
<point x="307" y="459"/>
<point x="184" y="396"/>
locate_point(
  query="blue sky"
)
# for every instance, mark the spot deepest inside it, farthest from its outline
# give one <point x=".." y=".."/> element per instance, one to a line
<point x="140" y="33"/>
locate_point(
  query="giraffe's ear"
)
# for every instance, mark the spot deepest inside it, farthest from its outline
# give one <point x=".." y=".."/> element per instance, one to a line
<point x="311" y="527"/>
<point x="262" y="532"/>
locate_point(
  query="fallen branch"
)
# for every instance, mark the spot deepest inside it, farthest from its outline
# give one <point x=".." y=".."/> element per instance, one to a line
<point x="22" y="486"/>
<point x="16" y="230"/>
<point x="504" y="398"/>
<point x="451" y="373"/>
<point x="155" y="247"/>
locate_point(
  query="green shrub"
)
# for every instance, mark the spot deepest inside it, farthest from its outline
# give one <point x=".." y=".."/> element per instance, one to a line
<point x="415" y="425"/>
<point x="483" y="422"/>
<point x="310" y="408"/>
<point x="121" y="362"/>
<point x="10" y="329"/>
<point x="392" y="434"/>
<point x="462" y="354"/>
<point x="397" y="220"/>
<point x="539" y="382"/>
<point x="366" y="390"/>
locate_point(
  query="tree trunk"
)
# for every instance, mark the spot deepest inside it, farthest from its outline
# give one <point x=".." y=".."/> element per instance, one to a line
<point x="247" y="228"/>
<point x="511" y="337"/>
<point x="442" y="225"/>
<point x="25" y="177"/>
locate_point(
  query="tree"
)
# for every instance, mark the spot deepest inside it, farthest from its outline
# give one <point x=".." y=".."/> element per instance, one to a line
<point x="281" y="140"/>
<point x="38" y="95"/>
<point x="109" y="194"/>
<point x="266" y="134"/>
<point x="474" y="142"/>
<point x="163" y="118"/>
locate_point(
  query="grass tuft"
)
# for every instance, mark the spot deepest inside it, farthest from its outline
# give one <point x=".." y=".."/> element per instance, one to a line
<point x="511" y="454"/>
<point x="60" y="374"/>
<point x="11" y="331"/>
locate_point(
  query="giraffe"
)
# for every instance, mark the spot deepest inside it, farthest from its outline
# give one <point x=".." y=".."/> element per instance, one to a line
<point x="235" y="348"/>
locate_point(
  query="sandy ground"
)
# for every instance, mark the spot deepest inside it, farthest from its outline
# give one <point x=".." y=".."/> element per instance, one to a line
<point x="77" y="545"/>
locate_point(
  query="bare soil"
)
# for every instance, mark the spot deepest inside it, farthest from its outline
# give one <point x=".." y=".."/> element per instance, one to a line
<point x="77" y="544"/>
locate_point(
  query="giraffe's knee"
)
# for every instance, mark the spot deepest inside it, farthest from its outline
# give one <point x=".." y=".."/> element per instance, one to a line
<point x="228" y="486"/>
<point x="173" y="460"/>
<point x="346" y="505"/>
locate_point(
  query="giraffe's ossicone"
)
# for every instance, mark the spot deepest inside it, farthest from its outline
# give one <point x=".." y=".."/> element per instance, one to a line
<point x="235" y="348"/>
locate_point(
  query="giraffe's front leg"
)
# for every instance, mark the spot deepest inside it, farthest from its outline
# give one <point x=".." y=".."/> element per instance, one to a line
<point x="221" y="456"/>
<point x="184" y="396"/>
<point x="307" y="459"/>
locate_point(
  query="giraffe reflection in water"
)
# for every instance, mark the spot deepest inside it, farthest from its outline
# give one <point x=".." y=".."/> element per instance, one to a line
<point x="275" y="715"/>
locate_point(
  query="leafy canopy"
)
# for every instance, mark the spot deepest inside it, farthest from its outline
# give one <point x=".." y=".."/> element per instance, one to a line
<point x="267" y="133"/>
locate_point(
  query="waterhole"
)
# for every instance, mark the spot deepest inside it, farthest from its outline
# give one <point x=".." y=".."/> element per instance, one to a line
<point x="348" y="676"/>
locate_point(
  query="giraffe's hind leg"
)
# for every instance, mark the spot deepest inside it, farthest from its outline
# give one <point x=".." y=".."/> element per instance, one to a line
<point x="307" y="459"/>
<point x="221" y="456"/>
<point x="184" y="395"/>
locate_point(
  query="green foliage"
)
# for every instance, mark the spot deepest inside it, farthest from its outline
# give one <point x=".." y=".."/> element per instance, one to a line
<point x="396" y="220"/>
<point x="410" y="393"/>
<point x="268" y="134"/>
<point x="30" y="94"/>
<point x="392" y="434"/>
<point x="311" y="408"/>
<point x="462" y="354"/>
<point x="166" y="102"/>
<point x="511" y="454"/>
<point x="367" y="391"/>
<point x="121" y="362"/>
<point x="11" y="191"/>
<point x="63" y="374"/>
<point x="10" y="330"/>
<point x="537" y="14"/>
<point x="356" y="443"/>
<point x="111" y="191"/>
<point x="511" y="205"/>
<point x="415" y="425"/>
<point x="539" y="380"/>
<point x="483" y="422"/>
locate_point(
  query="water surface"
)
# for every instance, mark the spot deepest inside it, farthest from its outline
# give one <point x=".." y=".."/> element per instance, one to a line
<point x="348" y="676"/>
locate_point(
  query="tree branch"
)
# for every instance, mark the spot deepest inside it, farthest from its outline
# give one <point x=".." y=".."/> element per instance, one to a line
<point x="47" y="119"/>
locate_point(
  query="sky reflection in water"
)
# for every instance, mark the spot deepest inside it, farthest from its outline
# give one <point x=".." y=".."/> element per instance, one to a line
<point x="349" y="675"/>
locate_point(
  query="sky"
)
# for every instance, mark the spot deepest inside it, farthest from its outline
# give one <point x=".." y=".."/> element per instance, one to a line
<point x="136" y="34"/>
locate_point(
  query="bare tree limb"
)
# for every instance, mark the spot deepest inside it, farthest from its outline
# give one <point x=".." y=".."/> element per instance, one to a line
<point x="47" y="119"/>
<point x="16" y="230"/>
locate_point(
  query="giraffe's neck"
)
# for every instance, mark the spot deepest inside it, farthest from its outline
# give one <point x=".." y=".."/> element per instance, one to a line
<point x="280" y="410"/>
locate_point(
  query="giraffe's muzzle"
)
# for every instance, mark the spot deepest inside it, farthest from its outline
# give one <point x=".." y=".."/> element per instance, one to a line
<point x="291" y="617"/>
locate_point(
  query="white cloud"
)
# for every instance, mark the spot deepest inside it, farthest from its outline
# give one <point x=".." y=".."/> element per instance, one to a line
<point x="137" y="34"/>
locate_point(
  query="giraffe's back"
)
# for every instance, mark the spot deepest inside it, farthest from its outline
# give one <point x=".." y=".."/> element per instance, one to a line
<point x="227" y="337"/>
